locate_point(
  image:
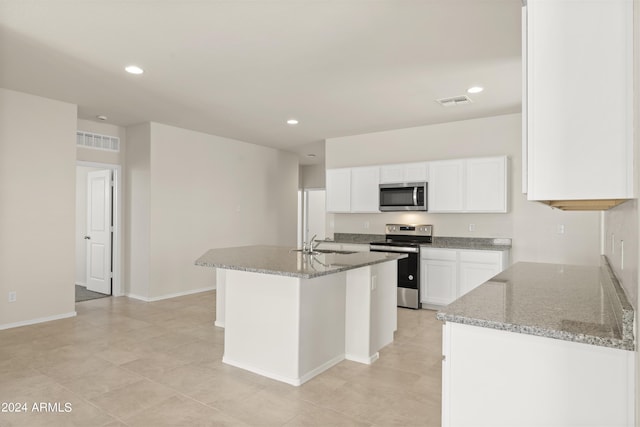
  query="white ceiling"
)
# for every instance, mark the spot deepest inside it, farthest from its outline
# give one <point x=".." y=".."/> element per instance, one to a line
<point x="241" y="68"/>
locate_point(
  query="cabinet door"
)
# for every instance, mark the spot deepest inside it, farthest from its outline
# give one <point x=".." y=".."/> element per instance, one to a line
<point x="391" y="174"/>
<point x="364" y="189"/>
<point x="579" y="99"/>
<point x="438" y="281"/>
<point x="476" y="267"/>
<point x="486" y="180"/>
<point x="338" y="190"/>
<point x="473" y="275"/>
<point x="416" y="172"/>
<point x="446" y="180"/>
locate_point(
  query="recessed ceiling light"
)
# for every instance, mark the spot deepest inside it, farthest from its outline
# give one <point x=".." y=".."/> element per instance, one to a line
<point x="475" y="89"/>
<point x="292" y="122"/>
<point x="134" y="69"/>
<point x="311" y="155"/>
<point x="101" y="118"/>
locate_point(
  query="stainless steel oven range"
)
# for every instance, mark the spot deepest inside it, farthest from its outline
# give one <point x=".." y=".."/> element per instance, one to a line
<point x="406" y="239"/>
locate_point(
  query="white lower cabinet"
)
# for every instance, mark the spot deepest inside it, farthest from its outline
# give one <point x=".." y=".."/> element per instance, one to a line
<point x="439" y="268"/>
<point x="476" y="267"/>
<point x="499" y="378"/>
<point x="447" y="274"/>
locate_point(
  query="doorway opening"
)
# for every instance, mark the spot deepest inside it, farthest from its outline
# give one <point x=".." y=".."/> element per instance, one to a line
<point x="98" y="235"/>
<point x="313" y="214"/>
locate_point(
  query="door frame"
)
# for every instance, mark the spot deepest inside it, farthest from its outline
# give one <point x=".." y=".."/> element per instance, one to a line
<point x="304" y="214"/>
<point x="117" y="288"/>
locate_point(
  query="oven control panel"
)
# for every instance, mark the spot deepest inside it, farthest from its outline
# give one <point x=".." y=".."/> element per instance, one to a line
<point x="410" y="229"/>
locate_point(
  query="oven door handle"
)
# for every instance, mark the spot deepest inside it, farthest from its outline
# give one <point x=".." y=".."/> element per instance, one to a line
<point x="394" y="249"/>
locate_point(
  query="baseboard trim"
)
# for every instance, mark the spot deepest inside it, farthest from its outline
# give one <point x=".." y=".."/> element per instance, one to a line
<point x="38" y="320"/>
<point x="169" y="296"/>
<point x="366" y="360"/>
<point x="288" y="380"/>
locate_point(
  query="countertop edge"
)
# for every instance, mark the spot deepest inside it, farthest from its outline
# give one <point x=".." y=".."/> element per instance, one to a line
<point x="393" y="257"/>
<point x="620" y="308"/>
<point x="540" y="332"/>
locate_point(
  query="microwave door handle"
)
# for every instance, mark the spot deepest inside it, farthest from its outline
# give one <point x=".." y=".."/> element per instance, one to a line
<point x="415" y="196"/>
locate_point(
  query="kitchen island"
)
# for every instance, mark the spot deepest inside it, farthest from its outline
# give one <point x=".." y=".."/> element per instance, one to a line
<point x="540" y="345"/>
<point x="289" y="315"/>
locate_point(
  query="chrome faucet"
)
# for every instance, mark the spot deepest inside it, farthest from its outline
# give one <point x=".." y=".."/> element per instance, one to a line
<point x="308" y="248"/>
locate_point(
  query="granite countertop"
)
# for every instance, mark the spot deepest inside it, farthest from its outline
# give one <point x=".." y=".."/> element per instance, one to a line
<point x="475" y="243"/>
<point x="286" y="261"/>
<point x="583" y="304"/>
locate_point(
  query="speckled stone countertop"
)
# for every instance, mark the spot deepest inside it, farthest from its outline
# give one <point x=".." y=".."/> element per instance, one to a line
<point x="572" y="303"/>
<point x="285" y="261"/>
<point x="477" y="243"/>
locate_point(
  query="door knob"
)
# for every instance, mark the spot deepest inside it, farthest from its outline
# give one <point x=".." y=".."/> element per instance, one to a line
<point x="87" y="237"/>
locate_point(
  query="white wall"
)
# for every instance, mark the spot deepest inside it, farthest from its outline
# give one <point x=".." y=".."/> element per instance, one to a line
<point x="203" y="192"/>
<point x="137" y="210"/>
<point x="37" y="207"/>
<point x="531" y="225"/>
<point x="312" y="176"/>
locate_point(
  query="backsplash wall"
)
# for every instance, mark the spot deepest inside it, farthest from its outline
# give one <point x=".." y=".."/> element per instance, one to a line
<point x="621" y="246"/>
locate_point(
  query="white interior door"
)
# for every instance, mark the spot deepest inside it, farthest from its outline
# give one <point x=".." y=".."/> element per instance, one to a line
<point x="98" y="235"/>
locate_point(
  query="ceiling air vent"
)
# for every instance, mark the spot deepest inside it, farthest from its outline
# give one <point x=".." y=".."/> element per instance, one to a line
<point x="97" y="141"/>
<point x="455" y="100"/>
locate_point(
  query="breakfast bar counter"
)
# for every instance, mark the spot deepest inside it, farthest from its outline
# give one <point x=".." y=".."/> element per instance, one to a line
<point x="548" y="344"/>
<point x="290" y="315"/>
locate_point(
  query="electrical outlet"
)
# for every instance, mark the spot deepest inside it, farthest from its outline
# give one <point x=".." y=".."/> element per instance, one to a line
<point x="12" y="296"/>
<point x="366" y="225"/>
<point x="472" y="227"/>
<point x="560" y="229"/>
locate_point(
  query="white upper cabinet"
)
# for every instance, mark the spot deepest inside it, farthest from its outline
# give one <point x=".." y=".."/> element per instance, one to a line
<point x="462" y="185"/>
<point x="446" y="186"/>
<point x="486" y="188"/>
<point x="353" y="190"/>
<point x="365" y="189"/>
<point x="579" y="99"/>
<point x="468" y="185"/>
<point x="405" y="172"/>
<point x="338" y="190"/>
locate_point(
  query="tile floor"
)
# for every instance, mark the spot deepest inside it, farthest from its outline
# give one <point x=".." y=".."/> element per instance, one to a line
<point x="122" y="362"/>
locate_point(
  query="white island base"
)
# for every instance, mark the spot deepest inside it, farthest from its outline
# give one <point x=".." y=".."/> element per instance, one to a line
<point x="291" y="329"/>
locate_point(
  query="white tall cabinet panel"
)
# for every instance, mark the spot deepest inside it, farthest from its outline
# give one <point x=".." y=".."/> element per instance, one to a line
<point x="365" y="190"/>
<point x="338" y="190"/>
<point x="579" y="99"/>
<point x="446" y="186"/>
<point x="494" y="378"/>
<point x="486" y="184"/>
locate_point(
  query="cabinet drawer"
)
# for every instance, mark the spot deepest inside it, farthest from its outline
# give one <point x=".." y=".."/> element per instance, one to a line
<point x="484" y="257"/>
<point x="439" y="254"/>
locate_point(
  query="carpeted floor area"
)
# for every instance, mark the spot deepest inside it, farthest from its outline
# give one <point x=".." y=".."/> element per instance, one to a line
<point x="83" y="294"/>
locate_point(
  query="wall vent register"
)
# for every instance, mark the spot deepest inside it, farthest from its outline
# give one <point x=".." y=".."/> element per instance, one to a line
<point x="97" y="141"/>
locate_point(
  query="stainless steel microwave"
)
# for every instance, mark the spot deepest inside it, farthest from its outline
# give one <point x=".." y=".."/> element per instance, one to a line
<point x="408" y="196"/>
